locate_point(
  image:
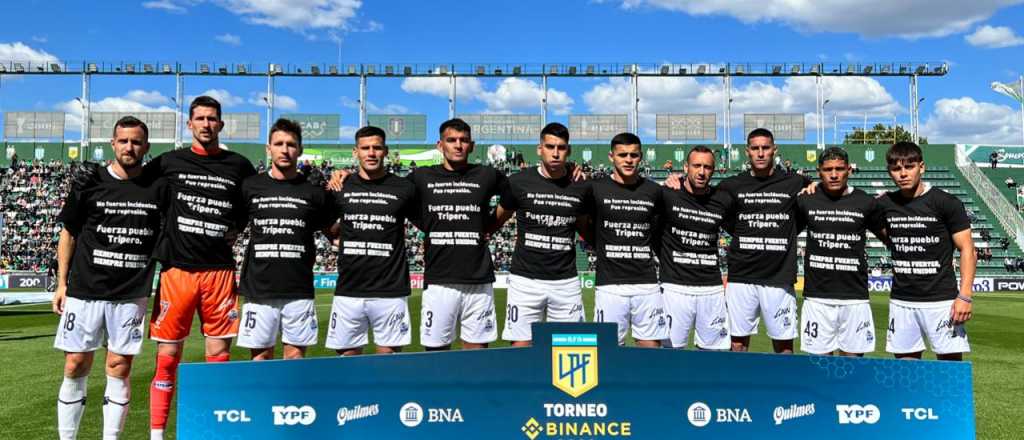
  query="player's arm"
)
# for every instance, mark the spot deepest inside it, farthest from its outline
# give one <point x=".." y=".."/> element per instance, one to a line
<point x="65" y="249"/>
<point x="501" y="216"/>
<point x="337" y="181"/>
<point x="968" y="264"/>
<point x="585" y="227"/>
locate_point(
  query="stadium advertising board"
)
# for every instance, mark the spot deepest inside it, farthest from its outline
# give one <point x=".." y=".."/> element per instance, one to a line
<point x="784" y="126"/>
<point x="403" y="127"/>
<point x="576" y="382"/>
<point x="317" y="127"/>
<point x="3" y="281"/>
<point x="34" y="125"/>
<point x="691" y="127"/>
<point x="327" y="280"/>
<point x="160" y="124"/>
<point x="1009" y="284"/>
<point x="241" y="126"/>
<point x="27" y="281"/>
<point x="494" y="127"/>
<point x="597" y="127"/>
<point x="1007" y="155"/>
<point x="884" y="284"/>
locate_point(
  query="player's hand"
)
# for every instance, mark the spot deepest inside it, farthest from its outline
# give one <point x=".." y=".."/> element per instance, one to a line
<point x="85" y="175"/>
<point x="315" y="177"/>
<point x="809" y="189"/>
<point x="338" y="180"/>
<point x="674" y="181"/>
<point x="59" y="298"/>
<point x="576" y="172"/>
<point x="961" y="312"/>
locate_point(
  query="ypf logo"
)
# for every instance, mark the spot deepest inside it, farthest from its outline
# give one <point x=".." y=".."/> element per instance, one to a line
<point x="857" y="414"/>
<point x="291" y="415"/>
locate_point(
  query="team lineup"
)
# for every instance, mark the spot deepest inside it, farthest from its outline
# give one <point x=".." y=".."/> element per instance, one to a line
<point x="657" y="271"/>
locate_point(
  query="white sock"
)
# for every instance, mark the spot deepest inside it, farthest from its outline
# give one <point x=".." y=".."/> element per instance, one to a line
<point x="70" y="406"/>
<point x="156" y="434"/>
<point x="115" y="406"/>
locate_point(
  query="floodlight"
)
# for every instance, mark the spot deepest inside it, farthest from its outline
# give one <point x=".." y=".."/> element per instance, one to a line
<point x="204" y="68"/>
<point x="3" y="68"/>
<point x="407" y="70"/>
<point x="664" y="70"/>
<point x="332" y="69"/>
<point x="554" y="70"/>
<point x="41" y="68"/>
<point x="314" y="69"/>
<point x="682" y="71"/>
<point x="739" y="69"/>
<point x="371" y="69"/>
<point x="480" y="70"/>
<point x="497" y="71"/>
<point x="517" y="70"/>
<point x="389" y="70"/>
<point x="54" y="67"/>
<point x="572" y="70"/>
<point x="849" y="69"/>
<point x="940" y="70"/>
<point x="903" y="69"/>
<point x="702" y="69"/>
<point x="776" y="69"/>
<point x="868" y="69"/>
<point x="816" y="69"/>
<point x="167" y="68"/>
<point x="721" y="69"/>
<point x="443" y="70"/>
<point x="626" y="70"/>
<point x="19" y="68"/>
<point x="920" y="69"/>
<point x="590" y="69"/>
<point x="886" y="69"/>
<point x="240" y="69"/>
<point x="223" y="70"/>
<point x="147" y="68"/>
<point x="352" y="69"/>
<point x="795" y="70"/>
<point x="275" y="69"/>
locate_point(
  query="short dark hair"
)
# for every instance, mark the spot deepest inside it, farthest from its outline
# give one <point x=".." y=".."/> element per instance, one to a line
<point x="370" y="131"/>
<point x="455" y="124"/>
<point x="699" y="149"/>
<point x="833" y="153"/>
<point x="906" y="152"/>
<point x="204" y="101"/>
<point x="625" y="139"/>
<point x="131" y="122"/>
<point x="287" y="126"/>
<point x="760" y="132"/>
<point x="557" y="130"/>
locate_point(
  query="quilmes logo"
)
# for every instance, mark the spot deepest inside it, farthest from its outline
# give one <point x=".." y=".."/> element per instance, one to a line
<point x="574" y="363"/>
<point x="357" y="412"/>
<point x="782" y="413"/>
<point x="291" y="415"/>
<point x="857" y="414"/>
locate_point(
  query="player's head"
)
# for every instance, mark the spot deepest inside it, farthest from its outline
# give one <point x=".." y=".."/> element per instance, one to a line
<point x="370" y="150"/>
<point x="285" y="144"/>
<point x="761" y="149"/>
<point x="625" y="155"/>
<point x="204" y="120"/>
<point x="130" y="142"/>
<point x="700" y="166"/>
<point x="834" y="170"/>
<point x="906" y="165"/>
<point x="554" y="148"/>
<point x="456" y="141"/>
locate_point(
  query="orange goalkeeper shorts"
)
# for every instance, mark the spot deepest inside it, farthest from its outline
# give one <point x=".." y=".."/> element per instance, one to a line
<point x="182" y="293"/>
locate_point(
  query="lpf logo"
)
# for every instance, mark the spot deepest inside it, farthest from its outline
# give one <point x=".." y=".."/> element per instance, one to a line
<point x="857" y="414"/>
<point x="574" y="363"/>
<point x="291" y="415"/>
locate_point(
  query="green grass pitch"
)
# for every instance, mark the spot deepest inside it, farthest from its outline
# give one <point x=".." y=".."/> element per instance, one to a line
<point x="31" y="369"/>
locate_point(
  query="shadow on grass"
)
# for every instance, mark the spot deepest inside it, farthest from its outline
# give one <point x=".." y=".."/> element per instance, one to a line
<point x="13" y="336"/>
<point x="24" y="312"/>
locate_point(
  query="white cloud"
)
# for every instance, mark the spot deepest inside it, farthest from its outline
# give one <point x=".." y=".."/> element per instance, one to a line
<point x="374" y="108"/>
<point x="224" y="97"/>
<point x="229" y="39"/>
<point x="20" y="52"/>
<point x="847" y="95"/>
<point x="133" y="101"/>
<point x="964" y="120"/>
<point x="511" y="94"/>
<point x="281" y="102"/>
<point x="172" y="6"/>
<point x="297" y="15"/>
<point x="39" y="38"/>
<point x="870" y="18"/>
<point x="996" y="37"/>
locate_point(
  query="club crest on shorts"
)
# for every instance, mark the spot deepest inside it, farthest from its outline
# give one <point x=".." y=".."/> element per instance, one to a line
<point x="574" y="363"/>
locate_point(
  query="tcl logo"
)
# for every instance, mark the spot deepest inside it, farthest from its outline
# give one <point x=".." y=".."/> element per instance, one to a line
<point x="857" y="414"/>
<point x="293" y="415"/>
<point x="919" y="414"/>
<point x="231" y="416"/>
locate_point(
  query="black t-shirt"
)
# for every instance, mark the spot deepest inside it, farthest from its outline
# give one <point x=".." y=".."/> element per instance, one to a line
<point x="115" y="224"/>
<point x="454" y="208"/>
<point x="371" y="256"/>
<point x="921" y="230"/>
<point x="625" y="219"/>
<point x="283" y="216"/>
<point x="203" y="204"/>
<point x="763" y="247"/>
<point x="546" y="211"/>
<point x="689" y="236"/>
<point x="835" y="265"/>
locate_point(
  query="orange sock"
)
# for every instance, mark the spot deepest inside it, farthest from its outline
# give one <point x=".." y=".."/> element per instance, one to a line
<point x="219" y="358"/>
<point x="161" y="390"/>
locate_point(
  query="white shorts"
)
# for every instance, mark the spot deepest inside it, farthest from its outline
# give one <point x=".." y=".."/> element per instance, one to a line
<point x="445" y="305"/>
<point x="351" y="319"/>
<point x="910" y="322"/>
<point x="836" y="325"/>
<point x="530" y="300"/>
<point x="776" y="304"/>
<point x="643" y="314"/>
<point x="87" y="322"/>
<point x="262" y="319"/>
<point x="697" y="308"/>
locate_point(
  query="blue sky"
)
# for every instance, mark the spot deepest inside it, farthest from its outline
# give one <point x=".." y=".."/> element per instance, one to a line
<point x="981" y="40"/>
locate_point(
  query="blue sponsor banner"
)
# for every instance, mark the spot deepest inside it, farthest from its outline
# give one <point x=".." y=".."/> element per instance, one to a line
<point x="3" y="281"/>
<point x="325" y="280"/>
<point x="578" y="387"/>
